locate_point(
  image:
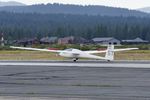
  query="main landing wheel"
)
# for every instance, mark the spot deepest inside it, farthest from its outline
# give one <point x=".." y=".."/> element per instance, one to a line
<point x="75" y="59"/>
<point x="108" y="60"/>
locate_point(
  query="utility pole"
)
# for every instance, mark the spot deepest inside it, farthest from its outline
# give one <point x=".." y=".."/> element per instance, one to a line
<point x="2" y="39"/>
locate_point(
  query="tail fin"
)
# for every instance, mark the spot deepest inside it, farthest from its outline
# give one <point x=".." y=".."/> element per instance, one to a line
<point x="110" y="53"/>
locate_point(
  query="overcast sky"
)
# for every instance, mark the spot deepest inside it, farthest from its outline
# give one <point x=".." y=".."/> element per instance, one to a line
<point x="131" y="4"/>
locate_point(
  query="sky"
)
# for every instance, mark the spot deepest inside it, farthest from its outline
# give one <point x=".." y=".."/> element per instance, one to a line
<point x="131" y="4"/>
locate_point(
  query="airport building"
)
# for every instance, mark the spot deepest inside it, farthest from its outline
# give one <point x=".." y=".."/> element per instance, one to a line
<point x="106" y="40"/>
<point x="48" y="40"/>
<point x="135" y="41"/>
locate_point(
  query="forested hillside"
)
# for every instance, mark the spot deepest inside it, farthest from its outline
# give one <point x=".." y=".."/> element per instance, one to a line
<point x="18" y="26"/>
<point x="74" y="9"/>
<point x="146" y="9"/>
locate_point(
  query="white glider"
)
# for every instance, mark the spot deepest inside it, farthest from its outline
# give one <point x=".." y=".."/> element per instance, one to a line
<point x="75" y="54"/>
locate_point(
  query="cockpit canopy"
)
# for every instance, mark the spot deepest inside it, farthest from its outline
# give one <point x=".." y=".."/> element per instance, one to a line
<point x="73" y="50"/>
<point x="70" y="49"/>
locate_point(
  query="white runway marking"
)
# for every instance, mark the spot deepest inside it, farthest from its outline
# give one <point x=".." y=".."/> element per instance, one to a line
<point x="126" y="65"/>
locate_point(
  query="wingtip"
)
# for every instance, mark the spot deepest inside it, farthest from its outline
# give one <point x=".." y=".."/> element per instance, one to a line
<point x="11" y="46"/>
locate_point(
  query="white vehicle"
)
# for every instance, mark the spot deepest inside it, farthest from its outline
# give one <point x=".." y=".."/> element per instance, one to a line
<point x="75" y="54"/>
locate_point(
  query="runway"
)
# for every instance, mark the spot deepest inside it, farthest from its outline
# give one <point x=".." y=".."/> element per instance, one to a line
<point x="89" y="63"/>
<point x="42" y="80"/>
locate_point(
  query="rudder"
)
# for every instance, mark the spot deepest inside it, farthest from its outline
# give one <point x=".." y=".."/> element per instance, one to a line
<point x="110" y="53"/>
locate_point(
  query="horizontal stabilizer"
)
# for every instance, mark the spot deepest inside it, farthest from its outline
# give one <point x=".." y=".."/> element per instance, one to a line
<point x="126" y="49"/>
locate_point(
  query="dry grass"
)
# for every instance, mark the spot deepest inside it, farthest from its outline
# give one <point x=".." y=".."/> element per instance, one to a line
<point x="36" y="55"/>
<point x="28" y="55"/>
<point x="133" y="55"/>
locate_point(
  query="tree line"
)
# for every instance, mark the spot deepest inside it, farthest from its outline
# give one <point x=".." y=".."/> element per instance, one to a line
<point x="30" y="25"/>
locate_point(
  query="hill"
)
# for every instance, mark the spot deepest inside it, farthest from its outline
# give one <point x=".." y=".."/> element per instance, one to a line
<point x="74" y="9"/>
<point x="146" y="9"/>
<point x="11" y="3"/>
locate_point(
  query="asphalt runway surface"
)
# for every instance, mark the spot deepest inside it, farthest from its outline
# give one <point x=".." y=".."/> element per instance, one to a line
<point x="67" y="80"/>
